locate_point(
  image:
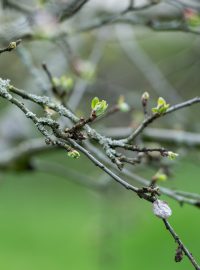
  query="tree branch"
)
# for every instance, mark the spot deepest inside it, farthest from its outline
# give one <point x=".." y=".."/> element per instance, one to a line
<point x="168" y="136"/>
<point x="128" y="186"/>
<point x="62" y="140"/>
<point x="155" y="116"/>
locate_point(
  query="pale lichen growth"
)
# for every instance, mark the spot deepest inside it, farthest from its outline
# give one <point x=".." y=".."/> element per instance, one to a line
<point x="39" y="99"/>
<point x="4" y="85"/>
<point x="30" y="115"/>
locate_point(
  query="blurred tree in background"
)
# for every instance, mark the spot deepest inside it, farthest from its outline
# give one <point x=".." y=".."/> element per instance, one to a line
<point x="141" y="59"/>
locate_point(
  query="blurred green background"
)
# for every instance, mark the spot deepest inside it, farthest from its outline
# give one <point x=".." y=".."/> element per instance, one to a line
<point x="49" y="222"/>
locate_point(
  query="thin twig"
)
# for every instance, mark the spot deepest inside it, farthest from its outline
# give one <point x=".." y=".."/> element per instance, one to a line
<point x="128" y="186"/>
<point x="181" y="199"/>
<point x="135" y="148"/>
<point x="19" y="7"/>
<point x="188" y="194"/>
<point x="12" y="45"/>
<point x="136" y="19"/>
<point x="153" y="117"/>
<point x="167" y="136"/>
<point x="50" y="77"/>
<point x="109" y="172"/>
<point x="178" y="240"/>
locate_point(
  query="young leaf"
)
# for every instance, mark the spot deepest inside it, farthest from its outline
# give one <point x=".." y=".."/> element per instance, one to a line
<point x="94" y="102"/>
<point x="98" y="107"/>
<point x="162" y="106"/>
<point x="74" y="154"/>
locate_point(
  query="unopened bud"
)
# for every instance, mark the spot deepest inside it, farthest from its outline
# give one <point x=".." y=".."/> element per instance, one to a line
<point x="145" y="98"/>
<point x="12" y="45"/>
<point x="172" y="155"/>
<point x="74" y="154"/>
<point x="160" y="176"/>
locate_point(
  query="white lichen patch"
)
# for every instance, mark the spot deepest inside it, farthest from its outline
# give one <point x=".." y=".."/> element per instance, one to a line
<point x="4" y="84"/>
<point x="161" y="209"/>
<point x="39" y="99"/>
<point x="30" y="114"/>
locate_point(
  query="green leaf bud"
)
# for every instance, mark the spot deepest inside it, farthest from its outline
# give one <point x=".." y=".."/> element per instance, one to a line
<point x="172" y="155"/>
<point x="74" y="154"/>
<point x="162" y="106"/>
<point x="99" y="107"/>
<point x="160" y="176"/>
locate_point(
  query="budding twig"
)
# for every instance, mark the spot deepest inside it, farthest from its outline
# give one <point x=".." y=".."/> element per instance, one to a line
<point x="153" y="117"/>
<point x="12" y="45"/>
<point x="50" y="77"/>
<point x="178" y="240"/>
<point x="61" y="139"/>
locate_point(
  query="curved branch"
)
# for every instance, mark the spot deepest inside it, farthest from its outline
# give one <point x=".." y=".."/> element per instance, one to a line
<point x="155" y="116"/>
<point x="62" y="140"/>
